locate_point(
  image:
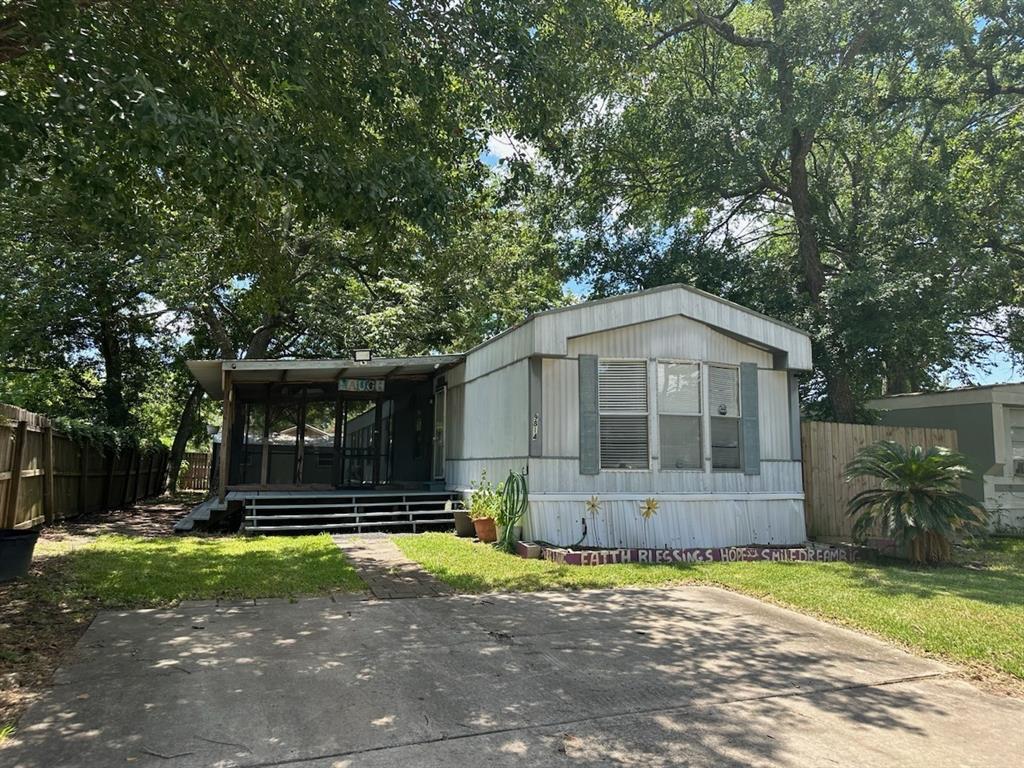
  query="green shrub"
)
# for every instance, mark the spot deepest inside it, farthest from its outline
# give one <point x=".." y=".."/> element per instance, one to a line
<point x="918" y="501"/>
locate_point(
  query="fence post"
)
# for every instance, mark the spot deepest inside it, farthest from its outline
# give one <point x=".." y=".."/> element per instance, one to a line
<point x="108" y="483"/>
<point x="48" y="484"/>
<point x="83" y="477"/>
<point x="14" y="489"/>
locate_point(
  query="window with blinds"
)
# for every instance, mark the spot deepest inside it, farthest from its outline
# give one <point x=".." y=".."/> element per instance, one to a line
<point x="623" y="413"/>
<point x="679" y="430"/>
<point x="724" y="409"/>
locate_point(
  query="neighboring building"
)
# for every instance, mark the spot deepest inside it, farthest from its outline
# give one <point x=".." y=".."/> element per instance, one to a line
<point x="990" y="425"/>
<point x="670" y="396"/>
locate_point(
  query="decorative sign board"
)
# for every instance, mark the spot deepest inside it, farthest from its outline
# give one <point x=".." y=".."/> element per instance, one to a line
<point x="360" y="385"/>
<point x="706" y="555"/>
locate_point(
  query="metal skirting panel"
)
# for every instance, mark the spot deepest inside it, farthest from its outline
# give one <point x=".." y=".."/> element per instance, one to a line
<point x="618" y="522"/>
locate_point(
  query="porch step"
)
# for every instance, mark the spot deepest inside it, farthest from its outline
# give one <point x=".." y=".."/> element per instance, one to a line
<point x="199" y="516"/>
<point x="363" y="512"/>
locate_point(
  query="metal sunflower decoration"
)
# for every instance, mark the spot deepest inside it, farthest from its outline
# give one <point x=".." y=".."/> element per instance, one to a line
<point x="593" y="505"/>
<point x="648" y="508"/>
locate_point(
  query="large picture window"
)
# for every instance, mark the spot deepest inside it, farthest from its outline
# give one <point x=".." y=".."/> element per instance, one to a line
<point x="724" y="411"/>
<point x="679" y="415"/>
<point x="623" y="413"/>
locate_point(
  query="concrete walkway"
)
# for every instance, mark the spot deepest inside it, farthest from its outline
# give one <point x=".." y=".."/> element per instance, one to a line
<point x="690" y="676"/>
<point x="387" y="572"/>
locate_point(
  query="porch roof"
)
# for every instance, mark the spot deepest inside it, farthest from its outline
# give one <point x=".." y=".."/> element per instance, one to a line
<point x="210" y="373"/>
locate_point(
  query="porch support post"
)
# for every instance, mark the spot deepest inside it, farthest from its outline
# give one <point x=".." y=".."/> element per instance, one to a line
<point x="300" y="439"/>
<point x="227" y="417"/>
<point x="265" y="458"/>
<point x="339" y="427"/>
<point x="377" y="453"/>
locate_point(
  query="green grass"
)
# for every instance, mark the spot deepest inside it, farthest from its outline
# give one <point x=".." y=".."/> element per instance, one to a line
<point x="120" y="571"/>
<point x="6" y="731"/>
<point x="973" y="616"/>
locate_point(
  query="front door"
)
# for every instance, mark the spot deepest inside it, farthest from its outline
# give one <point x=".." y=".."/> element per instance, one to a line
<point x="365" y="439"/>
<point x="440" y="404"/>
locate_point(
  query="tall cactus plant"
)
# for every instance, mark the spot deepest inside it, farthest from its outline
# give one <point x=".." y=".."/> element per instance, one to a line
<point x="514" y="502"/>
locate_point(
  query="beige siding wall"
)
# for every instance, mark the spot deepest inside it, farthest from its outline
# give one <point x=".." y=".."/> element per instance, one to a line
<point x="563" y="476"/>
<point x="487" y="424"/>
<point x="553" y="330"/>
<point x="670" y="337"/>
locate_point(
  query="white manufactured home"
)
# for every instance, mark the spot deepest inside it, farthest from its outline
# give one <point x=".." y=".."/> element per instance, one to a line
<point x="664" y="418"/>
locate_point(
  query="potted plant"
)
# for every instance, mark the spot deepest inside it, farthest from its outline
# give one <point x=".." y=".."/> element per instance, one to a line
<point x="917" y="502"/>
<point x="463" y="523"/>
<point x="16" y="547"/>
<point x="511" y="509"/>
<point x="484" y="504"/>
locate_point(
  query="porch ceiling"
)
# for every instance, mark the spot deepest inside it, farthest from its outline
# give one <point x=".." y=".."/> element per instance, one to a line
<point x="209" y="373"/>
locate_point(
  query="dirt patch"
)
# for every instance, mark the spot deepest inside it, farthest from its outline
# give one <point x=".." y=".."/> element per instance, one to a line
<point x="39" y="622"/>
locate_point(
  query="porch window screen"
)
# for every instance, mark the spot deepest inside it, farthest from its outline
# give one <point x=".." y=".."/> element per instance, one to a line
<point x="724" y="407"/>
<point x="622" y="408"/>
<point x="679" y="414"/>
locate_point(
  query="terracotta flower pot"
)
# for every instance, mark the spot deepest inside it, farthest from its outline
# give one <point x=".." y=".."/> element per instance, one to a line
<point x="485" y="530"/>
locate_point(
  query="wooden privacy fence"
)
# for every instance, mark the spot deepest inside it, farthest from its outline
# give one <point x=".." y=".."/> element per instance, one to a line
<point x="196" y="477"/>
<point x="46" y="476"/>
<point x="827" y="447"/>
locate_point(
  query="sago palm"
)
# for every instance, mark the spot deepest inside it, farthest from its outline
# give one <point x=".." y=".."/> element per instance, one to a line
<point x="918" y="501"/>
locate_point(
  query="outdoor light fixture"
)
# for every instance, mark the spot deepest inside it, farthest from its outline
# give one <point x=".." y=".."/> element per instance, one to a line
<point x="362" y="355"/>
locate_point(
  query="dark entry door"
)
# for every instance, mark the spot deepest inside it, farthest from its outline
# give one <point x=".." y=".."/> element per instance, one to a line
<point x="365" y="442"/>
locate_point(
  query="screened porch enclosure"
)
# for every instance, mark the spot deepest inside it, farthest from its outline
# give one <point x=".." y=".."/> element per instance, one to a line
<point x="311" y="435"/>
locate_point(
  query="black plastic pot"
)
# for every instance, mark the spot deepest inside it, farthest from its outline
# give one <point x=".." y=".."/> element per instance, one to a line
<point x="16" y="552"/>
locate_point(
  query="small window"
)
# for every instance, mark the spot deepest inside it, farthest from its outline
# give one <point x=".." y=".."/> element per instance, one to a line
<point x="679" y="415"/>
<point x="724" y="407"/>
<point x="1017" y="450"/>
<point x="325" y="459"/>
<point x="622" y="409"/>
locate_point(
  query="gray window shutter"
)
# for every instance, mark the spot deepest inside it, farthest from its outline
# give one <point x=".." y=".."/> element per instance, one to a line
<point x="590" y="422"/>
<point x="750" y="428"/>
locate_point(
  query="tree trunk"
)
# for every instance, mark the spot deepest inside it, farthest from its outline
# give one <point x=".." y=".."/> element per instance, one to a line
<point x="185" y="425"/>
<point x="113" y="379"/>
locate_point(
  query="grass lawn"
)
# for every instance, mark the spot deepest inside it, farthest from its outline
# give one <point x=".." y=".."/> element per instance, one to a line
<point x="124" y="571"/>
<point x="972" y="614"/>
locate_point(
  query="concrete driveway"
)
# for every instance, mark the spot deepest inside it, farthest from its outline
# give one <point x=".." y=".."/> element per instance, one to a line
<point x="688" y="676"/>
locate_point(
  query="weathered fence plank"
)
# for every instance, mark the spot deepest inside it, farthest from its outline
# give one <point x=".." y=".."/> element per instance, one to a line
<point x="827" y="447"/>
<point x="197" y="476"/>
<point x="46" y="476"/>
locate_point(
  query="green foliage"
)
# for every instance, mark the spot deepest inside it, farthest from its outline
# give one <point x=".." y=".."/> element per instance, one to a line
<point x="484" y="499"/>
<point x="246" y="179"/>
<point x="918" y="502"/>
<point x="515" y="500"/>
<point x="116" y="439"/>
<point x="852" y="168"/>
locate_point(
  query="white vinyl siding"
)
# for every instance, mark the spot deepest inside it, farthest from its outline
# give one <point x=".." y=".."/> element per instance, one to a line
<point x="623" y="413"/>
<point x="679" y="415"/>
<point x="724" y="410"/>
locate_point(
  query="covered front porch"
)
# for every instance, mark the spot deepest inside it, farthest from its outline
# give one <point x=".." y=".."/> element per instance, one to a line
<point x="328" y="425"/>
